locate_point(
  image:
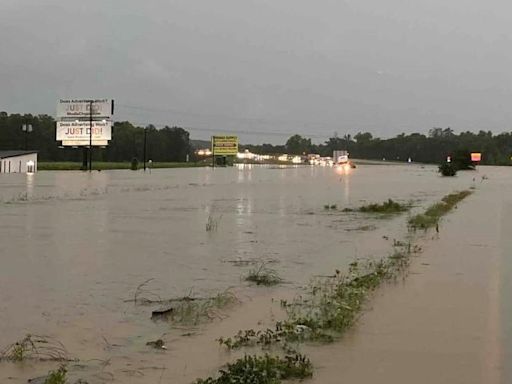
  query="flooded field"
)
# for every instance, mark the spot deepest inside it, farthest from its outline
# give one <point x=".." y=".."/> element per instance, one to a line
<point x="75" y="247"/>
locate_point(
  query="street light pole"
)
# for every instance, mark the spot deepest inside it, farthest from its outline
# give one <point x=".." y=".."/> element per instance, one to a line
<point x="27" y="128"/>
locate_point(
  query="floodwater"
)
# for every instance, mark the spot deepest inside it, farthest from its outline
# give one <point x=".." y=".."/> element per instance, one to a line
<point x="74" y="247"/>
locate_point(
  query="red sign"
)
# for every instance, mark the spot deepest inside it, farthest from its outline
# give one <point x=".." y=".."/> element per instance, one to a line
<point x="476" y="157"/>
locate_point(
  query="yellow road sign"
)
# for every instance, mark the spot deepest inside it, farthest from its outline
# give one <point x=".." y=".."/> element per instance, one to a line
<point x="225" y="145"/>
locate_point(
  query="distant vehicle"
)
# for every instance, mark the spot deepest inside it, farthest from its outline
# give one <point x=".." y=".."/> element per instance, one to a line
<point x="340" y="157"/>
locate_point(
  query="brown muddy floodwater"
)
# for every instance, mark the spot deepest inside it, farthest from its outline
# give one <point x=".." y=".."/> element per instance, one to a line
<point x="74" y="247"/>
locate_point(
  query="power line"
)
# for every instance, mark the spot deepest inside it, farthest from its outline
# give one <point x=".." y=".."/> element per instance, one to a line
<point x="317" y="134"/>
<point x="213" y="115"/>
<point x="244" y="132"/>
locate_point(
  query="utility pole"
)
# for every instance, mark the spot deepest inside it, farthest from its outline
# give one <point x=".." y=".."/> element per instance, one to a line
<point x="144" y="151"/>
<point x="90" y="135"/>
<point x="213" y="151"/>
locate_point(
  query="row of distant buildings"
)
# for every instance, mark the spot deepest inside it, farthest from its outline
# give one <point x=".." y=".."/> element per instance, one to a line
<point x="339" y="157"/>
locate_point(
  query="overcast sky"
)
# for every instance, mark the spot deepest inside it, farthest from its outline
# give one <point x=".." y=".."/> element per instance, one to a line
<point x="270" y="67"/>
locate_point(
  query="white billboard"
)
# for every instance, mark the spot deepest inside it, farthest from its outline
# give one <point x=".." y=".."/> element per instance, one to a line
<point x="78" y="132"/>
<point x="79" y="108"/>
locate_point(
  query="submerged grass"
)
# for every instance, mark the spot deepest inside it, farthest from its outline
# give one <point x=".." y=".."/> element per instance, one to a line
<point x="264" y="276"/>
<point x="193" y="311"/>
<point x="57" y="377"/>
<point x="430" y="218"/>
<point x="388" y="207"/>
<point x="265" y="369"/>
<point x="34" y="347"/>
<point x="329" y="308"/>
<point x="212" y="223"/>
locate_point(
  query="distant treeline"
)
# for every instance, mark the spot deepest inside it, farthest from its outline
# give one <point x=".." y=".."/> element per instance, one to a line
<point x="173" y="144"/>
<point x="169" y="144"/>
<point x="431" y="148"/>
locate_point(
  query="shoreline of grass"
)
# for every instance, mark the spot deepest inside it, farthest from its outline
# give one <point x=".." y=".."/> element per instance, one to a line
<point x="431" y="217"/>
<point x="107" y="165"/>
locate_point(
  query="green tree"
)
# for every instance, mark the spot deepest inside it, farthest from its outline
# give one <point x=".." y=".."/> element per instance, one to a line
<point x="297" y="145"/>
<point x="363" y="138"/>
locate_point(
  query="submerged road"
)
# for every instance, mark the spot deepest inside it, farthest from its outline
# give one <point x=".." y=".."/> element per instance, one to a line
<point x="450" y="320"/>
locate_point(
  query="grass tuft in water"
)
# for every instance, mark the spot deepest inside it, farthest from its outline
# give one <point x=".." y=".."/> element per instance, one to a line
<point x="430" y="218"/>
<point x="57" y="377"/>
<point x="34" y="347"/>
<point x="265" y="369"/>
<point x="212" y="223"/>
<point x="193" y="311"/>
<point x="264" y="276"/>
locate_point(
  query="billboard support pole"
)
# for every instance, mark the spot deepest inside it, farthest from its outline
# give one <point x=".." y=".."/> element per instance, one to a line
<point x="90" y="136"/>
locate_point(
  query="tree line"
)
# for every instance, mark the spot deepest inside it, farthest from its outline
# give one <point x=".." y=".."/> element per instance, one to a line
<point x="169" y="144"/>
<point x="173" y="144"/>
<point x="434" y="147"/>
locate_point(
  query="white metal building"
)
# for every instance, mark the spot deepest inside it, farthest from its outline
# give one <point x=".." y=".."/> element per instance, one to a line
<point x="18" y="161"/>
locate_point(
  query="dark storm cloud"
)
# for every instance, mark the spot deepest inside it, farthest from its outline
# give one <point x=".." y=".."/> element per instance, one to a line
<point x="314" y="67"/>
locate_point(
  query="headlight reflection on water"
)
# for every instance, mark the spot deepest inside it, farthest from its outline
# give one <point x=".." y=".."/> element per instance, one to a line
<point x="343" y="169"/>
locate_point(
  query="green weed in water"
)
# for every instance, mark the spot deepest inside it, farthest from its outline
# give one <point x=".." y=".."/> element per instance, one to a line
<point x="265" y="369"/>
<point x="57" y="377"/>
<point x="388" y="207"/>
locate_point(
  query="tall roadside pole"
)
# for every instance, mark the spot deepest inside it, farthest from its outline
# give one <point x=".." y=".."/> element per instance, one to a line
<point x="144" y="151"/>
<point x="90" y="135"/>
<point x="213" y="151"/>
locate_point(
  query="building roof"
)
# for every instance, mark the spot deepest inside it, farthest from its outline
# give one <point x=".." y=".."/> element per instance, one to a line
<point x="5" y="154"/>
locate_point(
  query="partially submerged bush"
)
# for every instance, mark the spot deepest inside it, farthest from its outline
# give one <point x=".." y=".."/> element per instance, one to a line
<point x="265" y="369"/>
<point x="447" y="169"/>
<point x="134" y="165"/>
<point x="263" y="276"/>
<point x="389" y="206"/>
